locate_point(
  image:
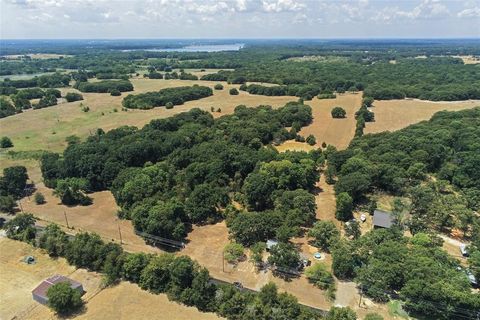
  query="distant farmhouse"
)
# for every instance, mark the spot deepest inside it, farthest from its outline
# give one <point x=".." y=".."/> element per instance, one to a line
<point x="40" y="292"/>
<point x="382" y="219"/>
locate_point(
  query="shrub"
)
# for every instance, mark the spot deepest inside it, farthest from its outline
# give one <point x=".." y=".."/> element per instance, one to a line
<point x="7" y="204"/>
<point x="169" y="105"/>
<point x="73" y="96"/>
<point x="5" y="142"/>
<point x="311" y="140"/>
<point x="64" y="299"/>
<point x="218" y="86"/>
<point x="233" y="252"/>
<point x="320" y="277"/>
<point x="39" y="198"/>
<point x="115" y="92"/>
<point x="327" y="96"/>
<point x="338" y="112"/>
<point x="233" y="92"/>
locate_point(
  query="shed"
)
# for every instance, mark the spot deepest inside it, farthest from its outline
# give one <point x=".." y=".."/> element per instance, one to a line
<point x="382" y="219"/>
<point x="39" y="294"/>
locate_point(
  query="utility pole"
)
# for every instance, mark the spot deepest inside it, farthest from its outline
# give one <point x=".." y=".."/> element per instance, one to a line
<point x="120" y="233"/>
<point x="361" y="294"/>
<point x="223" y="261"/>
<point x="66" y="220"/>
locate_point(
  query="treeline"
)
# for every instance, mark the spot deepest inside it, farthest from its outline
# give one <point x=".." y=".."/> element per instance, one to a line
<point x="186" y="169"/>
<point x="172" y="96"/>
<point x="181" y="278"/>
<point x="45" y="81"/>
<point x="21" y="100"/>
<point x="106" y="86"/>
<point x="412" y="78"/>
<point x="306" y="92"/>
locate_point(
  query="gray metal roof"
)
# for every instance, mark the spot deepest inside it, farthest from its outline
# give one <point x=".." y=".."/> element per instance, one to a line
<point x="382" y="219"/>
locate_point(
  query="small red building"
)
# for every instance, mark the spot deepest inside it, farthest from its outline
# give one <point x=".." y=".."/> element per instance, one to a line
<point x="40" y="292"/>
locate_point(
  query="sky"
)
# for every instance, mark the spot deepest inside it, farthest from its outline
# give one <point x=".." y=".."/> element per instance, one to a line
<point x="105" y="19"/>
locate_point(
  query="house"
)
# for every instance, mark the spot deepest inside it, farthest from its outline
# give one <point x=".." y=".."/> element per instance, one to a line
<point x="40" y="292"/>
<point x="382" y="219"/>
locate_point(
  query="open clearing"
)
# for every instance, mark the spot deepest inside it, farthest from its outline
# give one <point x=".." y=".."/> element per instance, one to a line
<point x="124" y="301"/>
<point x="391" y="115"/>
<point x="47" y="128"/>
<point x="337" y="132"/>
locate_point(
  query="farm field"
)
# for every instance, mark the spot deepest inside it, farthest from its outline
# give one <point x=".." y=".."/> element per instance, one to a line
<point x="19" y="278"/>
<point x="391" y="115"/>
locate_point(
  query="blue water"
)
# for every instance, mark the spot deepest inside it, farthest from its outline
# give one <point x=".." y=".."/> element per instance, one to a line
<point x="199" y="48"/>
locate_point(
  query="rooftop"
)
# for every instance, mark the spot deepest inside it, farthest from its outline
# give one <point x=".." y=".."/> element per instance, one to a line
<point x="42" y="288"/>
<point x="382" y="219"/>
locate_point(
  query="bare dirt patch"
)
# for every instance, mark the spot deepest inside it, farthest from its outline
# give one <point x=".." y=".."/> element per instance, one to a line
<point x="391" y="115"/>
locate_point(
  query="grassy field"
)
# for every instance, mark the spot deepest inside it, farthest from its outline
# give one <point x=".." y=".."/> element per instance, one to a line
<point x="47" y="128"/>
<point x="123" y="301"/>
<point x="391" y="115"/>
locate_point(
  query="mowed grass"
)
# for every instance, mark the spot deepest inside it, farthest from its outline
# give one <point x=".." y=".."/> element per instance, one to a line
<point x="46" y="129"/>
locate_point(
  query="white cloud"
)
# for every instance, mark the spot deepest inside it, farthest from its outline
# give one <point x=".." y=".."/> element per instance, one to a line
<point x="281" y="5"/>
<point x="427" y="9"/>
<point x="470" y="13"/>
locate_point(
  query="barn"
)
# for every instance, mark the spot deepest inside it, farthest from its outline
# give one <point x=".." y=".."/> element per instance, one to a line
<point x="40" y="292"/>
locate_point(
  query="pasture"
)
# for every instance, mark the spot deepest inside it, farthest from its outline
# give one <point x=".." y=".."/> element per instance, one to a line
<point x="18" y="279"/>
<point x="391" y="115"/>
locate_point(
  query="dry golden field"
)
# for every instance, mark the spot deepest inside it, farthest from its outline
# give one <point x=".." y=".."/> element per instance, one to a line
<point x="123" y="301"/>
<point x="391" y="115"/>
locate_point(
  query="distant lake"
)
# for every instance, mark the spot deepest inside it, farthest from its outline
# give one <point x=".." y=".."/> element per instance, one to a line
<point x="198" y="48"/>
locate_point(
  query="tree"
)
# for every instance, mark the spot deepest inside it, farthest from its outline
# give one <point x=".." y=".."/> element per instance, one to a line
<point x="115" y="92"/>
<point x="5" y="142"/>
<point x="319" y="276"/>
<point x="73" y="96"/>
<point x="339" y="313"/>
<point x="352" y="229"/>
<point x="39" y="198"/>
<point x="14" y="181"/>
<point x="233" y="92"/>
<point x="63" y="298"/>
<point x="311" y="140"/>
<point x="344" y="206"/>
<point x="7" y="204"/>
<point x="71" y="191"/>
<point x="22" y="227"/>
<point x="284" y="256"/>
<point x="325" y="235"/>
<point x="373" y="316"/>
<point x="6" y="108"/>
<point x="233" y="252"/>
<point x="367" y="101"/>
<point x="343" y="261"/>
<point x="54" y="241"/>
<point x="338" y="112"/>
<point x="257" y="251"/>
<point x="155" y="276"/>
<point x="133" y="266"/>
<point x="218" y="86"/>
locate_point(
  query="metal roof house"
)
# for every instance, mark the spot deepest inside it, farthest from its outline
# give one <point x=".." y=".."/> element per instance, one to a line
<point x="382" y="219"/>
<point x="40" y="292"/>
